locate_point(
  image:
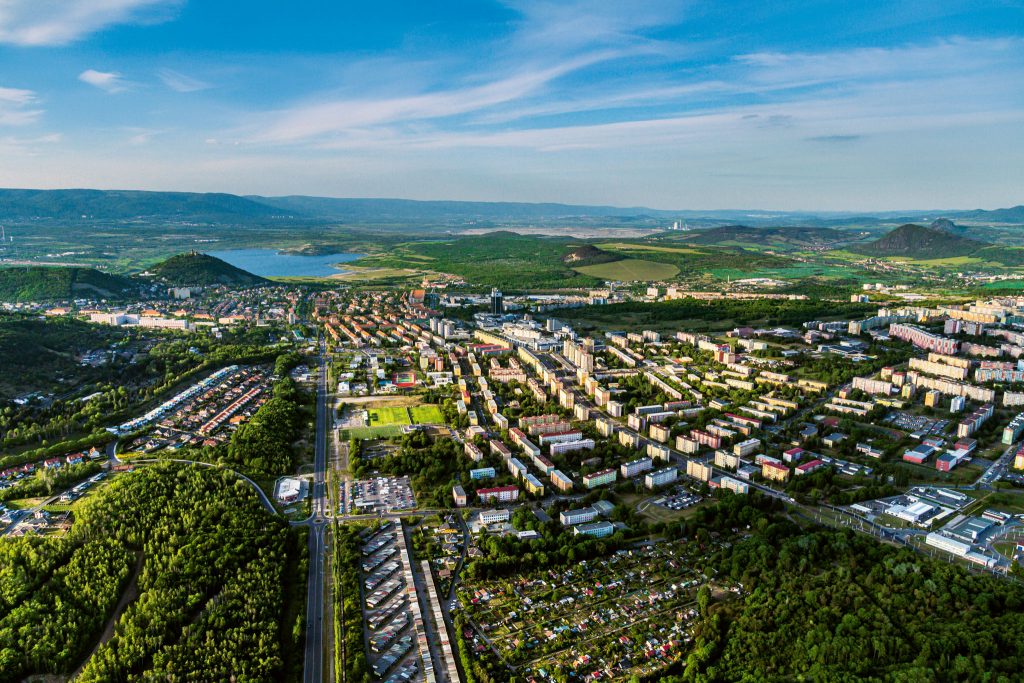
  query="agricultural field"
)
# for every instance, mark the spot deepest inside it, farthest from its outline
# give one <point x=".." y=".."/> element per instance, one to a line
<point x="631" y="270"/>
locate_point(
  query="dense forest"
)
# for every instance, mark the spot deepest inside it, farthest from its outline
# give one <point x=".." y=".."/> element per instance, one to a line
<point x="828" y="605"/>
<point x="36" y="351"/>
<point x="265" y="444"/>
<point x="215" y="578"/>
<point x="61" y="283"/>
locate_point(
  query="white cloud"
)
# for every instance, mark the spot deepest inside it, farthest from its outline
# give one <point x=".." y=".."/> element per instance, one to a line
<point x="17" y="107"/>
<point x="761" y="97"/>
<point x="906" y="62"/>
<point x="59" y="22"/>
<point x="110" y="81"/>
<point x="565" y="25"/>
<point x="351" y="115"/>
<point x="142" y="136"/>
<point x="179" y="82"/>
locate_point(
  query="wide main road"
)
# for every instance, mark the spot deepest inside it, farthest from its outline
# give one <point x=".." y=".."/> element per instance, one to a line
<point x="313" y="669"/>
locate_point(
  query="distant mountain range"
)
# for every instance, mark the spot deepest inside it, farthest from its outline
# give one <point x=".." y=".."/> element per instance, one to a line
<point x="780" y="236"/>
<point x="121" y="205"/>
<point x="127" y="204"/>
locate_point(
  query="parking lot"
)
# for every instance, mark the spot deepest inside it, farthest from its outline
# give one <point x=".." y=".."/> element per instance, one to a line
<point x="680" y="499"/>
<point x="378" y="495"/>
<point x="916" y="423"/>
<point x="387" y="611"/>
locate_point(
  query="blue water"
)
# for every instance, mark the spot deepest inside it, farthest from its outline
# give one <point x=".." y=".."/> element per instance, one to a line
<point x="271" y="263"/>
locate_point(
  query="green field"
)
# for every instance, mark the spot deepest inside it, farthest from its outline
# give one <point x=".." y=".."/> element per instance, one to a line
<point x="630" y="269"/>
<point x="630" y="246"/>
<point x="426" y="414"/>
<point x="382" y="432"/>
<point x="380" y="417"/>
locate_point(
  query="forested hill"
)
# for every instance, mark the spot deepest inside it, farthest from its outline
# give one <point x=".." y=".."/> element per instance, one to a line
<point x="917" y="241"/>
<point x="194" y="269"/>
<point x="61" y="283"/>
<point x="797" y="236"/>
<point x="128" y="204"/>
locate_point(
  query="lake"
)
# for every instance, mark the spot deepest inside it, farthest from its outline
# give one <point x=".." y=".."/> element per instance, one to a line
<point x="272" y="263"/>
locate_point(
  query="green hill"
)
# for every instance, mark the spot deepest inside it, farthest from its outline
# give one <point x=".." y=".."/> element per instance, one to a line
<point x="917" y="241"/>
<point x="203" y="270"/>
<point x="59" y="283"/>
<point x="796" y="237"/>
<point x="1014" y="215"/>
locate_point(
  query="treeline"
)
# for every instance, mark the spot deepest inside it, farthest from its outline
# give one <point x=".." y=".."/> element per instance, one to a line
<point x="45" y="482"/>
<point x="265" y="444"/>
<point x="97" y="440"/>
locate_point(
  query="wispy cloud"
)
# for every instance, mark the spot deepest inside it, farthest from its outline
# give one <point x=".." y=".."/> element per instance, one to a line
<point x="28" y="146"/>
<point x="905" y="62"/>
<point x="552" y="39"/>
<point x="34" y="23"/>
<point x="567" y="25"/>
<point x="179" y="82"/>
<point x="17" y="107"/>
<point x="834" y="138"/>
<point x="109" y="81"/>
<point x="830" y="96"/>
<point x="344" y="116"/>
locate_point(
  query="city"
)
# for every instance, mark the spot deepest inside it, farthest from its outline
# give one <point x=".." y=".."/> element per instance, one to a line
<point x="511" y="341"/>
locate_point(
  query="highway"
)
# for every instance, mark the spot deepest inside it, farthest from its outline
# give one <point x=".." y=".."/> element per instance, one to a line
<point x="317" y="521"/>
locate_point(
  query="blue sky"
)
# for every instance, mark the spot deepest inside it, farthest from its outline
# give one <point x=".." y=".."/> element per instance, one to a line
<point x="689" y="105"/>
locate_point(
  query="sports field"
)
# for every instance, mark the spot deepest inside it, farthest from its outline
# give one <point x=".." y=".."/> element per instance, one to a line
<point x="630" y="269"/>
<point x="401" y="415"/>
<point x="388" y="416"/>
<point x="383" y="432"/>
<point x="426" y="414"/>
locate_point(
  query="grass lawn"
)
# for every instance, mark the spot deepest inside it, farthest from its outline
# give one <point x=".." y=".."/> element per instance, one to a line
<point x="383" y="416"/>
<point x="630" y="269"/>
<point x="1004" y="284"/>
<point x="426" y="414"/>
<point x="383" y="432"/>
<point x="24" y="503"/>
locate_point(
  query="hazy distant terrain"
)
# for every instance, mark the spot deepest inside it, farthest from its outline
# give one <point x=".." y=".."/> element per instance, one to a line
<point x="129" y="231"/>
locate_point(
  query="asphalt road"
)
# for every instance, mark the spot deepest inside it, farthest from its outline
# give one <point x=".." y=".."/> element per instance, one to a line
<point x="317" y="521"/>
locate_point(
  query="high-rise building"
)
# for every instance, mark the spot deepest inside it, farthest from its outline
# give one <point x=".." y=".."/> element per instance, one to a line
<point x="497" y="302"/>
